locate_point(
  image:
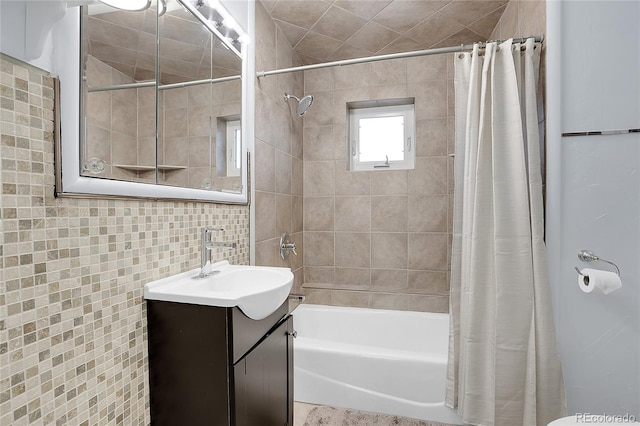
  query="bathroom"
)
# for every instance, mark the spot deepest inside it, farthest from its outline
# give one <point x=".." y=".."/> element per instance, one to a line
<point x="73" y="338"/>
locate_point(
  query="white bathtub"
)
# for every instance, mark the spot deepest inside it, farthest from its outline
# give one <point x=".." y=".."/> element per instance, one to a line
<point x="384" y="361"/>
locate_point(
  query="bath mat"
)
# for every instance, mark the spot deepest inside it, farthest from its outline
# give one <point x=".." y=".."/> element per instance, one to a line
<point x="330" y="416"/>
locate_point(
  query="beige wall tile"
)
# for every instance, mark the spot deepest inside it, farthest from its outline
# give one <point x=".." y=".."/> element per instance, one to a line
<point x="389" y="250"/>
<point x="389" y="182"/>
<point x="124" y="150"/>
<point x="283" y="172"/>
<point x="318" y="296"/>
<point x="429" y="176"/>
<point x="318" y="213"/>
<point x="199" y="121"/>
<point x="319" y="178"/>
<point x="266" y="218"/>
<point x="428" y="282"/>
<point x="388" y="301"/>
<point x="283" y="214"/>
<point x="357" y="299"/>
<point x="124" y="117"/>
<point x="389" y="213"/>
<point x="319" y="248"/>
<point x="267" y="252"/>
<point x="353" y="249"/>
<point x="316" y="275"/>
<point x="388" y="73"/>
<point x="431" y="98"/>
<point x="265" y="164"/>
<point x="351" y="183"/>
<point x="297" y="142"/>
<point x="297" y="176"/>
<point x="352" y="278"/>
<point x="322" y="109"/>
<point x="351" y="76"/>
<point x="428" y="213"/>
<point x="319" y="143"/>
<point x="175" y="123"/>
<point x="99" y="144"/>
<point x="319" y="79"/>
<point x="389" y="280"/>
<point x="431" y="137"/>
<point x="201" y="154"/>
<point x="353" y="214"/>
<point x="428" y="251"/>
<point x="424" y="303"/>
<point x="396" y="91"/>
<point x="99" y="109"/>
<point x="426" y="68"/>
<point x="297" y="212"/>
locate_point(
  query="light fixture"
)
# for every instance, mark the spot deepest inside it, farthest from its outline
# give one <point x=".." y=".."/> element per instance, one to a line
<point x="219" y="21"/>
<point x="132" y="5"/>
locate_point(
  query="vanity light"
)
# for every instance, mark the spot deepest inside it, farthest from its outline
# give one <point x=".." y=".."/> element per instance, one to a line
<point x="213" y="15"/>
<point x="132" y="5"/>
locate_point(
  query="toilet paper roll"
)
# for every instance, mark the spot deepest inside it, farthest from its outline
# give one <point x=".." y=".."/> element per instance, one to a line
<point x="606" y="281"/>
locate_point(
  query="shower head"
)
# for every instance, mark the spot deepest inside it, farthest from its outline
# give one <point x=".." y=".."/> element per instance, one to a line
<point x="303" y="104"/>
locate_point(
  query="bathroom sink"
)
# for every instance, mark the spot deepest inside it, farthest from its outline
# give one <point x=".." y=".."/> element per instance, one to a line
<point x="257" y="290"/>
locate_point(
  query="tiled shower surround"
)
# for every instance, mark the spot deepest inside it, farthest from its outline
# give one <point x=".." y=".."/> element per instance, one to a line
<point x="73" y="346"/>
<point x="379" y="238"/>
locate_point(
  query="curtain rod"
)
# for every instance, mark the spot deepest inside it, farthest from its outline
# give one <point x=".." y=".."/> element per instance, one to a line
<point x="435" y="51"/>
<point x="164" y="86"/>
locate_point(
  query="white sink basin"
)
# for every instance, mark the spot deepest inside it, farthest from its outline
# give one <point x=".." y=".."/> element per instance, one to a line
<point x="257" y="290"/>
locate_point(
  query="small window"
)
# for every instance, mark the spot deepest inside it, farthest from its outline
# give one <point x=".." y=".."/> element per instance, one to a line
<point x="234" y="148"/>
<point x="382" y="137"/>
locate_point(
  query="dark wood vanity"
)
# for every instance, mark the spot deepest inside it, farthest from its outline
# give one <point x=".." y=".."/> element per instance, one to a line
<point x="215" y="366"/>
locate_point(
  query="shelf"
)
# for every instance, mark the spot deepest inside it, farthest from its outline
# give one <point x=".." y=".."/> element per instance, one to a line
<point x="168" y="168"/>
<point x="161" y="167"/>
<point x="135" y="168"/>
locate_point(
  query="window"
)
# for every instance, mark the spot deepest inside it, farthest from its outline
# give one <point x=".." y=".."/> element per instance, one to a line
<point x="382" y="134"/>
<point x="234" y="148"/>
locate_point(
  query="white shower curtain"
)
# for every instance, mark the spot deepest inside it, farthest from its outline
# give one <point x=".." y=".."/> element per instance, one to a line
<point x="504" y="368"/>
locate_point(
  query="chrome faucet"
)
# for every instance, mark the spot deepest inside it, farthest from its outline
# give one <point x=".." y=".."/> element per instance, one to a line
<point x="205" y="250"/>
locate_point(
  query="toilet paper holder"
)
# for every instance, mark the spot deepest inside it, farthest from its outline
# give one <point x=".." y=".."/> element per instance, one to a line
<point x="589" y="256"/>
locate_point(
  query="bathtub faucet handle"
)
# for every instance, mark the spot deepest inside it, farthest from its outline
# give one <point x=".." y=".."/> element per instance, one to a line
<point x="292" y="333"/>
<point x="287" y="246"/>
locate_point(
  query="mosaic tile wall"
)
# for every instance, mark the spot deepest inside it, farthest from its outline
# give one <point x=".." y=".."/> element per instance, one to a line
<point x="73" y="344"/>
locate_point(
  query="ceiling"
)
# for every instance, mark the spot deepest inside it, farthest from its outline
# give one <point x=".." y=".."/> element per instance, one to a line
<point x="126" y="42"/>
<point x="331" y="30"/>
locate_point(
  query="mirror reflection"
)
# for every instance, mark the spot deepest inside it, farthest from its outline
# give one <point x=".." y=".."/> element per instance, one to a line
<point x="162" y="100"/>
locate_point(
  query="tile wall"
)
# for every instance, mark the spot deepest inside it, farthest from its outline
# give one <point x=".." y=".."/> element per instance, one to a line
<point x="187" y="129"/>
<point x="379" y="238"/>
<point x="278" y="150"/>
<point x="109" y="118"/>
<point x="73" y="344"/>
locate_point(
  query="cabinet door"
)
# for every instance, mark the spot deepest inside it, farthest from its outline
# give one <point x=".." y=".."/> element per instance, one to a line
<point x="263" y="395"/>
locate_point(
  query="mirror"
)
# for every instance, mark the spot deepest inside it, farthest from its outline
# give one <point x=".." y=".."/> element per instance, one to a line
<point x="161" y="101"/>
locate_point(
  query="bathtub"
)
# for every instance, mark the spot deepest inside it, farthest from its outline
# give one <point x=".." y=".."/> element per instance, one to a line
<point x="391" y="362"/>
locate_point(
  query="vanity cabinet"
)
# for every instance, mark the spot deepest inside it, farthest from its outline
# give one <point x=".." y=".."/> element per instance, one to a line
<point x="215" y="366"/>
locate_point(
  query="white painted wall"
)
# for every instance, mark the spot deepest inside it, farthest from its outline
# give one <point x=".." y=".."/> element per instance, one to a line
<point x="593" y="197"/>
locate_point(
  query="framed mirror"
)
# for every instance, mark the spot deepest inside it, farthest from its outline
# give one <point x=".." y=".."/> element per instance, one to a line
<point x="161" y="111"/>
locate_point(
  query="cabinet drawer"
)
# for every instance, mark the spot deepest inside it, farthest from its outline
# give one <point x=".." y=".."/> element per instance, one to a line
<point x="246" y="332"/>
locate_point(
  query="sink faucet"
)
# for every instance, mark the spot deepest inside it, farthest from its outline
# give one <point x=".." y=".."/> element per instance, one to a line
<point x="207" y="245"/>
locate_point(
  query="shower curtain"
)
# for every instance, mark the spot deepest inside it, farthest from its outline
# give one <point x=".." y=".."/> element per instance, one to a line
<point x="504" y="369"/>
